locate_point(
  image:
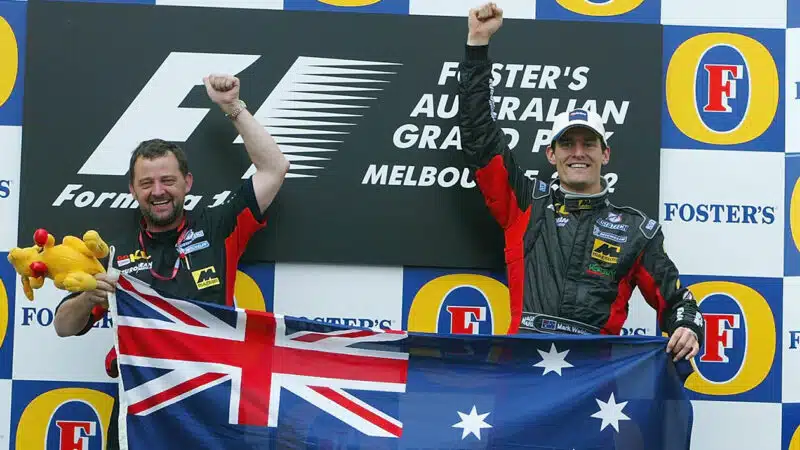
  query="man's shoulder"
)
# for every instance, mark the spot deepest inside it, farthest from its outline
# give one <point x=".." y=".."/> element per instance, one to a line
<point x="240" y="197"/>
<point x="204" y="221"/>
<point x="634" y="218"/>
<point x="541" y="189"/>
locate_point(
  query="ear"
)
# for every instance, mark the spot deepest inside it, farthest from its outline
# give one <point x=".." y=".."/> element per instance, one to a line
<point x="606" y="155"/>
<point x="130" y="189"/>
<point x="189" y="181"/>
<point x="551" y="155"/>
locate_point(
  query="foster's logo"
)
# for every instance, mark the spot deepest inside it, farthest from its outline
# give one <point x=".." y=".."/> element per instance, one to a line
<point x="248" y="291"/>
<point x="634" y="331"/>
<point x="639" y="11"/>
<point x="5" y="188"/>
<point x="349" y="3"/>
<point x="7" y="280"/>
<point x="794" y="339"/>
<point x="13" y="16"/>
<point x="9" y="60"/>
<point x="792" y="235"/>
<point x="456" y="303"/>
<point x="75" y="427"/>
<point x="64" y="418"/>
<point x="719" y="213"/>
<point x="739" y="356"/>
<point x="384" y="6"/>
<point x="722" y="89"/>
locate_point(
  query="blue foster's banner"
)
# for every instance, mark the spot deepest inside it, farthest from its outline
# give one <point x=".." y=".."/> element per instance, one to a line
<point x="197" y="375"/>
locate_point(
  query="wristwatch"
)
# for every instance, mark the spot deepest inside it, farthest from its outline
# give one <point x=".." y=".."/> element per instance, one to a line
<point x="237" y="111"/>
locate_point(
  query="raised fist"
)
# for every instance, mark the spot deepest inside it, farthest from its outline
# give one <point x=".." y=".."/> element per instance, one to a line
<point x="222" y="89"/>
<point x="483" y="22"/>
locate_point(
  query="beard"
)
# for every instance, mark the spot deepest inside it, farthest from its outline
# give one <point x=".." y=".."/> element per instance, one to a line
<point x="163" y="220"/>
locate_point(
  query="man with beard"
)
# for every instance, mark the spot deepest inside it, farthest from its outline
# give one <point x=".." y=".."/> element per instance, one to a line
<point x="183" y="253"/>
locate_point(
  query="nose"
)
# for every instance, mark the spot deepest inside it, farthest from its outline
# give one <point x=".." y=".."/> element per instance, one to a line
<point x="579" y="149"/>
<point x="158" y="189"/>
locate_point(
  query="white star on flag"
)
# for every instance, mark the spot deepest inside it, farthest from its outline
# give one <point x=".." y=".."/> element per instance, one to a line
<point x="610" y="412"/>
<point x="553" y="361"/>
<point x="472" y="423"/>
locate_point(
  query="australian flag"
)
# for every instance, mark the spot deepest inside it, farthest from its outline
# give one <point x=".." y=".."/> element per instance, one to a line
<point x="202" y="376"/>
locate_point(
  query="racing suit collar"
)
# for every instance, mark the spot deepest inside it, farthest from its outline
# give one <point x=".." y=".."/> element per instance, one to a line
<point x="580" y="202"/>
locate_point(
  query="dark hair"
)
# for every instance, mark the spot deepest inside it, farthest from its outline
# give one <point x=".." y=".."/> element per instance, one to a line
<point x="156" y="148"/>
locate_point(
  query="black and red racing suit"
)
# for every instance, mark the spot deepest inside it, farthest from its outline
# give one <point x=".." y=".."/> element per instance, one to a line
<point x="572" y="261"/>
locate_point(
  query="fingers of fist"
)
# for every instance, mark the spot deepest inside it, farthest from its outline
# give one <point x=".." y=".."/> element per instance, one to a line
<point x="487" y="11"/>
<point x="104" y="286"/>
<point x="98" y="296"/>
<point x="220" y="83"/>
<point x="108" y="278"/>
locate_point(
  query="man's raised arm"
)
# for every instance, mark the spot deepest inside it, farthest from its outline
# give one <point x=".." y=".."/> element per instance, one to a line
<point x="505" y="188"/>
<point x="270" y="163"/>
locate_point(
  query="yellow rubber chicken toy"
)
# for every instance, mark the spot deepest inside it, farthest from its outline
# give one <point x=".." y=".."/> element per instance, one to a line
<point x="71" y="265"/>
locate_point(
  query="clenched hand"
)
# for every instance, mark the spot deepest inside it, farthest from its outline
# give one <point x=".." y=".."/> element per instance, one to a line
<point x="222" y="90"/>
<point x="483" y="22"/>
<point x="683" y="343"/>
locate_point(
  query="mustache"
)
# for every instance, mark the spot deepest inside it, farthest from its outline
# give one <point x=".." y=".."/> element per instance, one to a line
<point x="159" y="199"/>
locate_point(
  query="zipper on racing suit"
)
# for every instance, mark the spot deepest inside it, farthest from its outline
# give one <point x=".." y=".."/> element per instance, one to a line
<point x="582" y="217"/>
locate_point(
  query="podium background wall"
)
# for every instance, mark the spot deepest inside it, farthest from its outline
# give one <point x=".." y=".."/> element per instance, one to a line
<point x="377" y="224"/>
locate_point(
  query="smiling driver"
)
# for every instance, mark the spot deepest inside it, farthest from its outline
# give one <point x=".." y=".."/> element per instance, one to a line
<point x="572" y="257"/>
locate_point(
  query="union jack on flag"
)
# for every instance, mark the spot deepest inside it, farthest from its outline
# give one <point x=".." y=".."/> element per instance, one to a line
<point x="196" y="375"/>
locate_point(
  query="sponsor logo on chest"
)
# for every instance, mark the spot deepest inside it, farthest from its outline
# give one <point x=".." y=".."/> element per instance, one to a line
<point x="609" y="236"/>
<point x="600" y="270"/>
<point x="206" y="277"/>
<point x="611" y="225"/>
<point x="605" y="252"/>
<point x="138" y="267"/>
<point x="138" y="255"/>
<point x="188" y="245"/>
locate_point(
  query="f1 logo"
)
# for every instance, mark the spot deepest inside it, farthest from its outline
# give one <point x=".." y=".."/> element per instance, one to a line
<point x="721" y="86"/>
<point x="75" y="434"/>
<point x="465" y="319"/>
<point x="719" y="336"/>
